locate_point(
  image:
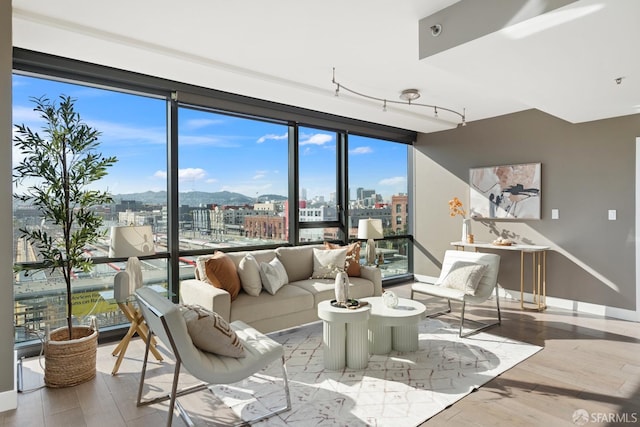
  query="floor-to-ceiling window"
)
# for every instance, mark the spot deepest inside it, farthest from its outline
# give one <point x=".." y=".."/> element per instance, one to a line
<point x="133" y="129"/>
<point x="378" y="188"/>
<point x="319" y="185"/>
<point x="210" y="171"/>
<point x="232" y="180"/>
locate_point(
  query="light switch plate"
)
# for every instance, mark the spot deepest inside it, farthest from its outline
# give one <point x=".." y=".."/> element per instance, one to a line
<point x="612" y="214"/>
<point x="555" y="213"/>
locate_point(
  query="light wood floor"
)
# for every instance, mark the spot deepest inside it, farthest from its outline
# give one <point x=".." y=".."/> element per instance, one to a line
<point x="588" y="363"/>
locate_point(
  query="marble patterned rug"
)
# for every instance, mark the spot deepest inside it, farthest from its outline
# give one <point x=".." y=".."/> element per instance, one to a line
<point x="396" y="389"/>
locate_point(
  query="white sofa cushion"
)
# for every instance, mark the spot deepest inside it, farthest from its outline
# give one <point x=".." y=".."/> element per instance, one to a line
<point x="289" y="299"/>
<point x="297" y="260"/>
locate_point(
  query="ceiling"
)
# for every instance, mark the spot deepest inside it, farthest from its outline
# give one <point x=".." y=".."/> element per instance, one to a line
<point x="564" y="62"/>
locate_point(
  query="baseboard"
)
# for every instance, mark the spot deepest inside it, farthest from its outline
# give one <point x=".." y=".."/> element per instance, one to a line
<point x="580" y="307"/>
<point x="575" y="306"/>
<point x="9" y="399"/>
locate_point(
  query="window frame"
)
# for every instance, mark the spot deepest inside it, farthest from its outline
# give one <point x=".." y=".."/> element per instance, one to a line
<point x="177" y="94"/>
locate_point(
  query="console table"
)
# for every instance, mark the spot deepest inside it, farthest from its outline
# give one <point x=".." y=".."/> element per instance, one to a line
<point x="538" y="267"/>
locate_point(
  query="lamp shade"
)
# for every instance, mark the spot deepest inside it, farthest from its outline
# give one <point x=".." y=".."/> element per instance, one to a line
<point x="370" y="229"/>
<point x="131" y="241"/>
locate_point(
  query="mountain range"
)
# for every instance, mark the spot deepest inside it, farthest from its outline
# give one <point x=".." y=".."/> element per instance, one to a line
<point x="197" y="198"/>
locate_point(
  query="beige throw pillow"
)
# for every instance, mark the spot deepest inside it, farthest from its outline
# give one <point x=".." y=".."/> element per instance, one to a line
<point x="249" y="272"/>
<point x="273" y="275"/>
<point x="353" y="256"/>
<point x="464" y="276"/>
<point x="210" y="332"/>
<point x="327" y="262"/>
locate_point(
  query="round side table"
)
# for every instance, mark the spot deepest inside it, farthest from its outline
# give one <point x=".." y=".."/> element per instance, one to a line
<point x="394" y="328"/>
<point x="344" y="336"/>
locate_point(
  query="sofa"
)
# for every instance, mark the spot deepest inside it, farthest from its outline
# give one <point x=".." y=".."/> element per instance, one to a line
<point x="294" y="303"/>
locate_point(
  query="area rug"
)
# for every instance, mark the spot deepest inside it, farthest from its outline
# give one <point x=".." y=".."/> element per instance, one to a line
<point x="399" y="389"/>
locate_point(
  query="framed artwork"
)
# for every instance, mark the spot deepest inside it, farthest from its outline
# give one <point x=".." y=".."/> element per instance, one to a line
<point x="505" y="192"/>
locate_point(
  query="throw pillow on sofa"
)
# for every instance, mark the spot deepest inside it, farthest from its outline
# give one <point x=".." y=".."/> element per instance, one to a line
<point x="327" y="262"/>
<point x="210" y="332"/>
<point x="273" y="275"/>
<point x="249" y="272"/>
<point x="353" y="257"/>
<point x="220" y="271"/>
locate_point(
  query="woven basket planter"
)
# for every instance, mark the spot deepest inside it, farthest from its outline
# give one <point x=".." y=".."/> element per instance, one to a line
<point x="70" y="362"/>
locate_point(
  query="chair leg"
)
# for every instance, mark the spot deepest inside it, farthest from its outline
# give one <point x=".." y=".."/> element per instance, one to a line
<point x="438" y="313"/>
<point x="276" y="411"/>
<point x="484" y="325"/>
<point x="175" y="393"/>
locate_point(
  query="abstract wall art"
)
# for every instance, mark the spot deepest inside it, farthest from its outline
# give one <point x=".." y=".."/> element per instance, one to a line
<point x="505" y="192"/>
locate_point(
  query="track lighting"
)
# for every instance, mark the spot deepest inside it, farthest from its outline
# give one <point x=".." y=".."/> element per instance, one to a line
<point x="407" y="96"/>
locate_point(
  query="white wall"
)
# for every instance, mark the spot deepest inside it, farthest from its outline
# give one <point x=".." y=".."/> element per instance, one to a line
<point x="8" y="394"/>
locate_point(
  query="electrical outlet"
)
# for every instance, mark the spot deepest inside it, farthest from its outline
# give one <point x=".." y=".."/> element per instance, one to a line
<point x="612" y="214"/>
<point x="555" y="213"/>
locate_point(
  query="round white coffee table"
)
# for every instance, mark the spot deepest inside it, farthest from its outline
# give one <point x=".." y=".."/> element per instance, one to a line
<point x="394" y="328"/>
<point x="344" y="336"/>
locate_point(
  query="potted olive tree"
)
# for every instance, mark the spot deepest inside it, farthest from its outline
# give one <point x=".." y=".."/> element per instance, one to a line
<point x="54" y="176"/>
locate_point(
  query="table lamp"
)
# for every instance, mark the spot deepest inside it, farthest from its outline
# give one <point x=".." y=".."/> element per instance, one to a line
<point x="370" y="229"/>
<point x="131" y="241"/>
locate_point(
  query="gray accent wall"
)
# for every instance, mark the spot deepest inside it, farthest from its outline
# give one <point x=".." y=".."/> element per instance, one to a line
<point x="7" y="374"/>
<point x="587" y="169"/>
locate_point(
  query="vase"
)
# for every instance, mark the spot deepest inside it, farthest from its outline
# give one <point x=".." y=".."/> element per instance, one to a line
<point x="342" y="287"/>
<point x="466" y="229"/>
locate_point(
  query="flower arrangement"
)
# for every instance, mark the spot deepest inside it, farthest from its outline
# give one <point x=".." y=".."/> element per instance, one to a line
<point x="455" y="208"/>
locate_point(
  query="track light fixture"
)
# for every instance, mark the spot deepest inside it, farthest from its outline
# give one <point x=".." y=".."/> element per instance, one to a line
<point x="407" y="96"/>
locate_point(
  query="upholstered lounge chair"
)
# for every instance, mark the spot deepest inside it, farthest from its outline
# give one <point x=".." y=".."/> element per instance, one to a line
<point x="487" y="285"/>
<point x="166" y="321"/>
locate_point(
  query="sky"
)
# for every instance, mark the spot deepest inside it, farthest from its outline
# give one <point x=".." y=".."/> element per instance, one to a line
<point x="216" y="152"/>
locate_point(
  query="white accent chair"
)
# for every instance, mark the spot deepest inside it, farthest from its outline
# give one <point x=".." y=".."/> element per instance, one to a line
<point x="166" y="321"/>
<point x="488" y="284"/>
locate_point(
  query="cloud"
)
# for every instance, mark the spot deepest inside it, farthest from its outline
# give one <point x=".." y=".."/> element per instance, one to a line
<point x="316" y="139"/>
<point x="110" y="131"/>
<point x="272" y="136"/>
<point x="195" y="124"/>
<point x="27" y="116"/>
<point x="361" y="150"/>
<point x="208" y="140"/>
<point x="260" y="175"/>
<point x="396" y="180"/>
<point x="191" y="174"/>
<point x="118" y="132"/>
<point x="186" y="174"/>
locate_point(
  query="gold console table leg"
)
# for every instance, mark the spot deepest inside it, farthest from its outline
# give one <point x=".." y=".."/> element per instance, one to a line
<point x="538" y="280"/>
